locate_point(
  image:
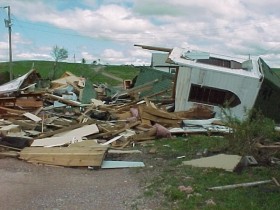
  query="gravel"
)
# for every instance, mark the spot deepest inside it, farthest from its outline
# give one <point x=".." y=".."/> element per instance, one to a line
<point x="28" y="186"/>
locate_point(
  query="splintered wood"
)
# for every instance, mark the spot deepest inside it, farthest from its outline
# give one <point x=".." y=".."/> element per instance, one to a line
<point x="73" y="122"/>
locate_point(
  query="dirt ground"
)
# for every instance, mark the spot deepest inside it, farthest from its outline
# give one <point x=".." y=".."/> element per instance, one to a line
<point x="27" y="186"/>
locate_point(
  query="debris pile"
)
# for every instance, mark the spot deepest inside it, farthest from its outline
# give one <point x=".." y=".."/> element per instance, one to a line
<point x="73" y="122"/>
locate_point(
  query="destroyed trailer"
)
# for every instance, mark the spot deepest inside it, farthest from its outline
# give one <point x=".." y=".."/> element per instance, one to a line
<point x="215" y="81"/>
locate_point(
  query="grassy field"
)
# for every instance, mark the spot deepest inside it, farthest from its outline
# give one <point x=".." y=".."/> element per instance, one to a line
<point x="164" y="173"/>
<point x="45" y="68"/>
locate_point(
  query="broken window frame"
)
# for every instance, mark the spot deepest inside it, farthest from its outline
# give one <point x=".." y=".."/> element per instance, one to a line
<point x="213" y="96"/>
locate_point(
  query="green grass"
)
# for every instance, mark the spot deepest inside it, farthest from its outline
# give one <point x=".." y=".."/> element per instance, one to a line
<point x="123" y="71"/>
<point x="169" y="174"/>
<point x="45" y="68"/>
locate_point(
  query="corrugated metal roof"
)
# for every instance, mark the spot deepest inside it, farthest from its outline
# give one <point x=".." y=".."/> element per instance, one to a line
<point x="148" y="74"/>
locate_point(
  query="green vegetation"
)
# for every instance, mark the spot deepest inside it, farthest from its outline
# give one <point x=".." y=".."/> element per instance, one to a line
<point x="58" y="54"/>
<point x="256" y="128"/>
<point x="164" y="173"/>
<point x="124" y="71"/>
<point x="45" y="68"/>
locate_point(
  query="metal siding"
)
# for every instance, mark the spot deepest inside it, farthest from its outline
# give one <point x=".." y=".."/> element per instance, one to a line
<point x="246" y="88"/>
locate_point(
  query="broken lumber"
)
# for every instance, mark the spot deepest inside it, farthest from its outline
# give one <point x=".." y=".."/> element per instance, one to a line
<point x="62" y="100"/>
<point x="72" y="127"/>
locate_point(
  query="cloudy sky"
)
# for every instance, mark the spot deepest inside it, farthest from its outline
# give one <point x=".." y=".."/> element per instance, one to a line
<point x="108" y="30"/>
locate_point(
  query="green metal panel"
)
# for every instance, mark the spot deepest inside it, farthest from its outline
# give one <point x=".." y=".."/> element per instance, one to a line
<point x="148" y="74"/>
<point x="268" y="99"/>
<point x="88" y="93"/>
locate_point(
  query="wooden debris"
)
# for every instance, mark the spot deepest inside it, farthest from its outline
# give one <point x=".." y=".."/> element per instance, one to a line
<point x="60" y="99"/>
<point x="55" y="141"/>
<point x="32" y="117"/>
<point x="5" y="130"/>
<point x="72" y="127"/>
<point x="112" y="140"/>
<point x="86" y="130"/>
<point x="12" y="154"/>
<point x="64" y="156"/>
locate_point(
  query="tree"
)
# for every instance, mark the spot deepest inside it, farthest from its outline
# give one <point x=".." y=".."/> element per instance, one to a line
<point x="84" y="61"/>
<point x="58" y="54"/>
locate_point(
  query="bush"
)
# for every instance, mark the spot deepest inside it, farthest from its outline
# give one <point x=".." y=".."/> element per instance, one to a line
<point x="256" y="128"/>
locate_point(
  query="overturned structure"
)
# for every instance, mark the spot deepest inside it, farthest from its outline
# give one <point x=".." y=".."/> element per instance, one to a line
<point x="204" y="79"/>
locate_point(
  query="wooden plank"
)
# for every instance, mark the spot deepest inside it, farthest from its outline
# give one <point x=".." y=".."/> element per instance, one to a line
<point x="32" y="117"/>
<point x="160" y="113"/>
<point x="28" y="103"/>
<point x="65" y="129"/>
<point x="148" y="135"/>
<point x="160" y="120"/>
<point x="55" y="141"/>
<point x="9" y="154"/>
<point x="112" y="140"/>
<point x="13" y="111"/>
<point x="64" y="156"/>
<point x="86" y="130"/>
<point x="62" y="100"/>
<point x="116" y="132"/>
<point x="88" y="144"/>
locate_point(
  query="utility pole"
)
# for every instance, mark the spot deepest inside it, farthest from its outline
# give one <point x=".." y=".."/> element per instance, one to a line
<point x="8" y="24"/>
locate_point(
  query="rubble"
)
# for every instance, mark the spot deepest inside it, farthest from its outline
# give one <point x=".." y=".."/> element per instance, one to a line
<point x="74" y="122"/>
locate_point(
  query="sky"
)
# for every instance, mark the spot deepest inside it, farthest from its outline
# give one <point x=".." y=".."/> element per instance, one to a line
<point x="106" y="31"/>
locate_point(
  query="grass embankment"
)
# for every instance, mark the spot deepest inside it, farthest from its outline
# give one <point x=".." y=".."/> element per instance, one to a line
<point x="45" y="68"/>
<point x="164" y="173"/>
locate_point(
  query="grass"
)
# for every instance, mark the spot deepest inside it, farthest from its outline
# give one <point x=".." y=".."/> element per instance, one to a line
<point x="164" y="173"/>
<point x="122" y="71"/>
<point x="45" y="68"/>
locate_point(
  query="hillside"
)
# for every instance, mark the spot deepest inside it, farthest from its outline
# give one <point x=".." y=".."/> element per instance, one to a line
<point x="92" y="72"/>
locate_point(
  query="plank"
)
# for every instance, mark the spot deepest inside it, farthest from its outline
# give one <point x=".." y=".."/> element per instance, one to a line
<point x="112" y="140"/>
<point x="32" y="117"/>
<point x="80" y="132"/>
<point x="64" y="156"/>
<point x="65" y="129"/>
<point x="65" y="101"/>
<point x="55" y="141"/>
